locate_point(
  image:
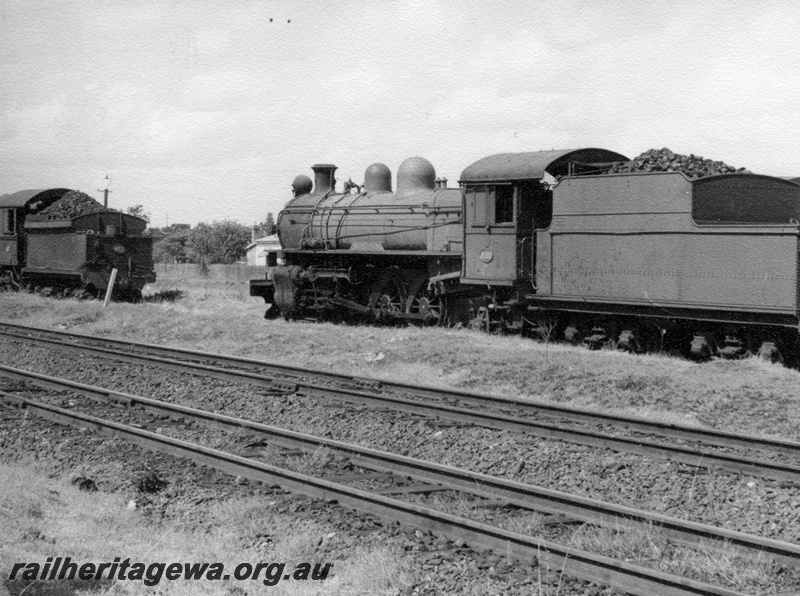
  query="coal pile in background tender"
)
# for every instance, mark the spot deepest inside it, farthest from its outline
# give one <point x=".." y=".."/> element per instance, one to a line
<point x="73" y="204"/>
<point x="664" y="160"/>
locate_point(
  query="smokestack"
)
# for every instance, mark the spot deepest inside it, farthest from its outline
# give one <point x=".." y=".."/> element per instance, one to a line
<point x="323" y="178"/>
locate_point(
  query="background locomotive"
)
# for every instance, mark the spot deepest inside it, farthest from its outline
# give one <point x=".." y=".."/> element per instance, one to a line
<point x="71" y="256"/>
<point x="371" y="252"/>
<point x="552" y="243"/>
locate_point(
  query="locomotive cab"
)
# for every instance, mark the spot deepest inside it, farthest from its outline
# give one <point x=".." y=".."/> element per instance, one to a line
<point x="506" y="198"/>
<point x="8" y="222"/>
<point x="9" y="245"/>
<point x="14" y="208"/>
<point x="499" y="231"/>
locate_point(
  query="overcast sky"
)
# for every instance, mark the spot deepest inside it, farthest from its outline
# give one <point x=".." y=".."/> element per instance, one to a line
<point x="206" y="110"/>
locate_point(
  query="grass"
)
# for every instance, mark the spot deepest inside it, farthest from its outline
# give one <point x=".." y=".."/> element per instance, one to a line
<point x="641" y="544"/>
<point x="42" y="518"/>
<point x="645" y="544"/>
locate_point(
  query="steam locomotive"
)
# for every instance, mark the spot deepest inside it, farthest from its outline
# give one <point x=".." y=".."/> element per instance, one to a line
<point x="550" y="243"/>
<point x="74" y="256"/>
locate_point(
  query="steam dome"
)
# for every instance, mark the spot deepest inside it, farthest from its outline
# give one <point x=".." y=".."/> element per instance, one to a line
<point x="302" y="185"/>
<point x="415" y="174"/>
<point x="378" y="177"/>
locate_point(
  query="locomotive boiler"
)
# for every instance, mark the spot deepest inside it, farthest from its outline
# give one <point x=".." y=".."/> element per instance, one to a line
<point x="370" y="251"/>
<point x="561" y="244"/>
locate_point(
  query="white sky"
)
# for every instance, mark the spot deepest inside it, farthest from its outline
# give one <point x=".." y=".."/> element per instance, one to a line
<point x="205" y="110"/>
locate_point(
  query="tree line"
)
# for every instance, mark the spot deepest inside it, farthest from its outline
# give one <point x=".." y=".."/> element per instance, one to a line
<point x="206" y="243"/>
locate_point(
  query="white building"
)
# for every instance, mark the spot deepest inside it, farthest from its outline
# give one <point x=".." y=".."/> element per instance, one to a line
<point x="256" y="251"/>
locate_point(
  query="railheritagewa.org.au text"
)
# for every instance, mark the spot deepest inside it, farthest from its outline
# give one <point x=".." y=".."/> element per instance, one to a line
<point x="151" y="574"/>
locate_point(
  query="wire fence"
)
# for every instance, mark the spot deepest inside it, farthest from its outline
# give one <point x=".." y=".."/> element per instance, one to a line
<point x="187" y="271"/>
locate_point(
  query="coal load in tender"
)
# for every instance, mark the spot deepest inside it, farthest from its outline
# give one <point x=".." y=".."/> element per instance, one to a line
<point x="72" y="204"/>
<point x="664" y="160"/>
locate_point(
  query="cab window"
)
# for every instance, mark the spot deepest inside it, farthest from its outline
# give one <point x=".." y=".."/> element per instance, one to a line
<point x="490" y="205"/>
<point x="476" y="204"/>
<point x="504" y="204"/>
<point x="7" y="222"/>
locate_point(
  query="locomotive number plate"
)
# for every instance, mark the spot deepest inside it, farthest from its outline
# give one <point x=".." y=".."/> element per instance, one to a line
<point x="486" y="256"/>
<point x="118" y="248"/>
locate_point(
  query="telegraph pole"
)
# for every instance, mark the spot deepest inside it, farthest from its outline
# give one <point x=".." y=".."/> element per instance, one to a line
<point x="105" y="192"/>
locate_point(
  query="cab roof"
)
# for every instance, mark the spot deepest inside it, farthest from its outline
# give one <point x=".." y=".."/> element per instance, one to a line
<point x="24" y="198"/>
<point x="533" y="165"/>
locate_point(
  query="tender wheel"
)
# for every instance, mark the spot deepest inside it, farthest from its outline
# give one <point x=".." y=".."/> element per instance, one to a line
<point x="703" y="346"/>
<point x="598" y="338"/>
<point x="770" y="352"/>
<point x="631" y="340"/>
<point x="574" y="333"/>
<point x="487" y="320"/>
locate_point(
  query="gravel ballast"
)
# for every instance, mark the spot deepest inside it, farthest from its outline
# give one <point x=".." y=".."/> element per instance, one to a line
<point x="746" y="504"/>
<point x="439" y="566"/>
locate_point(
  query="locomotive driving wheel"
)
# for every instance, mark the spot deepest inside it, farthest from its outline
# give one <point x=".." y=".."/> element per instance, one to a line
<point x="388" y="296"/>
<point x="430" y="306"/>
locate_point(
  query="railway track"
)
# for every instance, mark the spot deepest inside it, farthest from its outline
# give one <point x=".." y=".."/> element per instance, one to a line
<point x="622" y="575"/>
<point x="482" y="485"/>
<point x="698" y="447"/>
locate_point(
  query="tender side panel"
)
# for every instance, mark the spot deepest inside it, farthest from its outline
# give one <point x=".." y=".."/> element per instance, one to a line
<point x="618" y="267"/>
<point x="751" y="270"/>
<point x="658" y="193"/>
<point x="56" y="252"/>
<point x="632" y="240"/>
<point x="745" y="271"/>
<point x="595" y="226"/>
<point x="8" y="250"/>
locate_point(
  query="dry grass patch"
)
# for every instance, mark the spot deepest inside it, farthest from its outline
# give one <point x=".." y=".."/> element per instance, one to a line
<point x="44" y="518"/>
<point x="530" y="523"/>
<point x="646" y="545"/>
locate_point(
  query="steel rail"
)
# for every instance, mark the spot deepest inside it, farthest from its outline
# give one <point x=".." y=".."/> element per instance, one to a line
<point x="483" y="485"/>
<point x="671" y="430"/>
<point x="691" y="456"/>
<point x="584" y="565"/>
